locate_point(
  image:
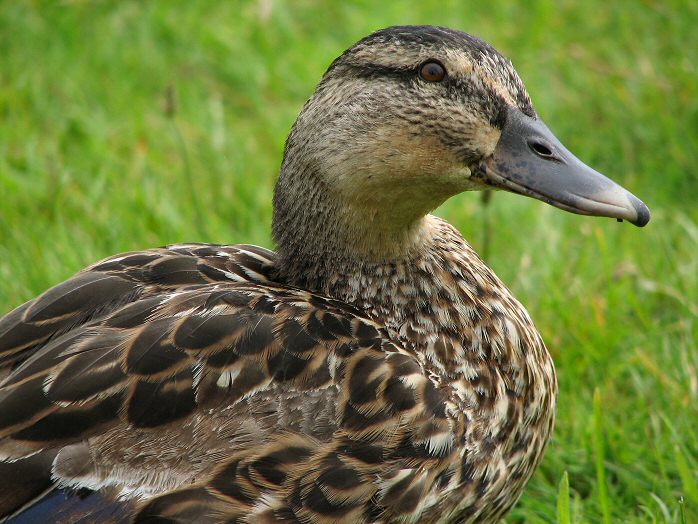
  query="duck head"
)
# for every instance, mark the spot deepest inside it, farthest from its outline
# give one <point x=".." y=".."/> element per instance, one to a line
<point x="408" y="117"/>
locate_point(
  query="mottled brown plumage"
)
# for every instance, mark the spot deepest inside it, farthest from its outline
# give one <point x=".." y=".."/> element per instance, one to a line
<point x="372" y="370"/>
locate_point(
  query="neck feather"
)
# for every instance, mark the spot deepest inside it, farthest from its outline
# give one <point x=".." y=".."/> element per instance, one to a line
<point x="318" y="234"/>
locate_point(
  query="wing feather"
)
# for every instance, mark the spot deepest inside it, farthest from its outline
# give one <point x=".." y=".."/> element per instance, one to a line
<point x="104" y="287"/>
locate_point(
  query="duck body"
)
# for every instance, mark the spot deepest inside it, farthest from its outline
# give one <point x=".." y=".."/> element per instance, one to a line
<point x="371" y="370"/>
<point x="386" y="368"/>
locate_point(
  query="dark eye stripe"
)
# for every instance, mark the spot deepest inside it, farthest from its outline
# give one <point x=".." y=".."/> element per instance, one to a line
<point x="406" y="74"/>
<point x="377" y="71"/>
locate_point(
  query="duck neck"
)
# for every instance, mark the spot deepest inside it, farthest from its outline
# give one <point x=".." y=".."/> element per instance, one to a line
<point x="319" y="236"/>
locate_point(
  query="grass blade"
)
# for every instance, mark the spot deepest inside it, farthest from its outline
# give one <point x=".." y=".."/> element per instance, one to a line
<point x="599" y="452"/>
<point x="688" y="480"/>
<point x="563" y="500"/>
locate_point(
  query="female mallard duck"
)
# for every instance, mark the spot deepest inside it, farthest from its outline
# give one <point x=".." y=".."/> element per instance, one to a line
<point x="372" y="369"/>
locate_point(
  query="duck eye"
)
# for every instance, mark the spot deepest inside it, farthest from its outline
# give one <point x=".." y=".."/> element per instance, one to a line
<point x="432" y="72"/>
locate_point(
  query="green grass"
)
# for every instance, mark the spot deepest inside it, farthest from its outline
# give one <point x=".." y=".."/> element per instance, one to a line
<point x="96" y="158"/>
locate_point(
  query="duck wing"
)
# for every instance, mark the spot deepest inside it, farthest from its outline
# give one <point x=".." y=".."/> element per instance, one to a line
<point x="214" y="400"/>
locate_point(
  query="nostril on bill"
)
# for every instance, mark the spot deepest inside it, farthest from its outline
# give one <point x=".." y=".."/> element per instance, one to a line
<point x="541" y="149"/>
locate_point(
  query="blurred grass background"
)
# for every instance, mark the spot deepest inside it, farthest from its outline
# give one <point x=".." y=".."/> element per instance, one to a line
<point x="126" y="125"/>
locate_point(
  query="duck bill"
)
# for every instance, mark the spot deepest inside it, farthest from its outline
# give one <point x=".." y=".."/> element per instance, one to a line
<point x="530" y="160"/>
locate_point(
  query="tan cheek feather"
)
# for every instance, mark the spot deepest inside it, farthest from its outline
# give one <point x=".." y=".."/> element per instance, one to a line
<point x="406" y="154"/>
<point x="397" y="164"/>
<point x="485" y="139"/>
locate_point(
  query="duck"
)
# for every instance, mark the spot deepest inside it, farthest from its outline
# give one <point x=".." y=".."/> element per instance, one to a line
<point x="371" y="369"/>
